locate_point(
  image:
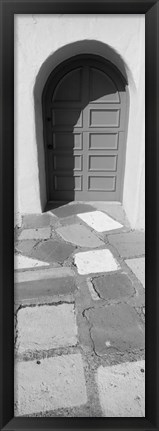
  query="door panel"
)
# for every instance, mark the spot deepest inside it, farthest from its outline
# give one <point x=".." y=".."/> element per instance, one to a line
<point x="69" y="87"/>
<point x="85" y="127"/>
<point x="104" y="118"/>
<point x="103" y="141"/>
<point x="102" y="88"/>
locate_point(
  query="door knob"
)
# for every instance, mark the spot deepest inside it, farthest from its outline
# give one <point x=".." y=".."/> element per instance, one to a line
<point x="49" y="147"/>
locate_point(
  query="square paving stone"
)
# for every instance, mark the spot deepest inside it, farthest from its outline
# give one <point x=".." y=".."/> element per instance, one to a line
<point x="116" y="327"/>
<point x="53" y="250"/>
<point x="46" y="327"/>
<point x="40" y="233"/>
<point x="68" y="210"/>
<point x="47" y="287"/>
<point x="95" y="261"/>
<point x="79" y="235"/>
<point x="100" y="221"/>
<point x="122" y="389"/>
<point x="34" y="221"/>
<point x="138" y="267"/>
<point x="113" y="286"/>
<point x="54" y="383"/>
<point x="130" y="244"/>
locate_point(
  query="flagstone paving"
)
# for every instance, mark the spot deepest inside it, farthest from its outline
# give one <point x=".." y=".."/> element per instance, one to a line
<point x="35" y="221"/>
<point x="79" y="235"/>
<point x="138" y="267"/>
<point x="116" y="327"/>
<point x="99" y="221"/>
<point x="49" y="384"/>
<point x="130" y="244"/>
<point x="79" y="313"/>
<point x="22" y="262"/>
<point x="95" y="261"/>
<point x="113" y="286"/>
<point x="122" y="389"/>
<point x="47" y="333"/>
<point x="40" y="233"/>
<point x="53" y="251"/>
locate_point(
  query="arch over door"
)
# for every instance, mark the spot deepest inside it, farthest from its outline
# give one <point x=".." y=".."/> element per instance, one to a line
<point x="84" y="108"/>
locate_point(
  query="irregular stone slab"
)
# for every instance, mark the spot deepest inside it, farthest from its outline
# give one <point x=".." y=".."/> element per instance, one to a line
<point x="130" y="244"/>
<point x="116" y="327"/>
<point x="24" y="262"/>
<point x="138" y="267"/>
<point x="122" y="389"/>
<point x="68" y="210"/>
<point x="53" y="383"/>
<point x="47" y="287"/>
<point x="73" y="219"/>
<point x="113" y="286"/>
<point x="41" y="233"/>
<point x="42" y="274"/>
<point x="79" y="235"/>
<point x="113" y="209"/>
<point x="34" y="221"/>
<point x="25" y="246"/>
<point x="99" y="221"/>
<point x="53" y="250"/>
<point x="46" y="327"/>
<point x="95" y="261"/>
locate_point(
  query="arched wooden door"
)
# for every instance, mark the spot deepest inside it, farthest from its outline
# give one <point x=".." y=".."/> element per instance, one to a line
<point x="84" y="112"/>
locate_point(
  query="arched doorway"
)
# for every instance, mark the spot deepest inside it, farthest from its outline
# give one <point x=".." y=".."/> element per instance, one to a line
<point x="85" y="122"/>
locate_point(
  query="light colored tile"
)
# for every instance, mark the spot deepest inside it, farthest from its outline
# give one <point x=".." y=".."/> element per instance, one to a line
<point x="79" y="235"/>
<point x="122" y="389"/>
<point x="46" y="327"/>
<point x="99" y="221"/>
<point x="23" y="262"/>
<point x="137" y="265"/>
<point x="95" y="261"/>
<point x="40" y="233"/>
<point x="57" y="382"/>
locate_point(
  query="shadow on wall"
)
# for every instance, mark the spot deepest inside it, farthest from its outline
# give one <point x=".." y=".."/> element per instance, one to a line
<point x="80" y="47"/>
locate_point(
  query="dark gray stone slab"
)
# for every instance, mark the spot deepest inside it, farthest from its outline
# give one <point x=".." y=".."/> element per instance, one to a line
<point x="116" y="328"/>
<point x="113" y="286"/>
<point x="53" y="251"/>
<point x="130" y="244"/>
<point x="49" y="287"/>
<point x="68" y="210"/>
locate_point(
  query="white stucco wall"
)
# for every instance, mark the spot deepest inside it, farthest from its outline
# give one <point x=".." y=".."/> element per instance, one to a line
<point x="42" y="42"/>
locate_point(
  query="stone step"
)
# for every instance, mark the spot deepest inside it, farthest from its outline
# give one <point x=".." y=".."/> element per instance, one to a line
<point x="42" y="274"/>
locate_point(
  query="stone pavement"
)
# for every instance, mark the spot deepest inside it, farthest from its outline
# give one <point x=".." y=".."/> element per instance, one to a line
<point x="79" y="313"/>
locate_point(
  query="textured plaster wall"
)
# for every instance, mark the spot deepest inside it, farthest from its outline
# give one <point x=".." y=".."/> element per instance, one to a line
<point x="42" y="42"/>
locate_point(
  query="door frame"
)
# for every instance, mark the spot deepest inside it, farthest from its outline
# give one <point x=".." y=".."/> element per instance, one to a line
<point x="53" y="79"/>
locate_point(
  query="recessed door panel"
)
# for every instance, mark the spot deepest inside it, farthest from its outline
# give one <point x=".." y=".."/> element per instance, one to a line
<point x="104" y="118"/>
<point x="102" y="163"/>
<point x="67" y="117"/>
<point x="102" y="184"/>
<point x="67" y="141"/>
<point x="103" y="141"/>
<point x="102" y="88"/>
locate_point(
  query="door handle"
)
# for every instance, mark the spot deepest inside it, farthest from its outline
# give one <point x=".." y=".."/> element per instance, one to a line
<point x="50" y="147"/>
